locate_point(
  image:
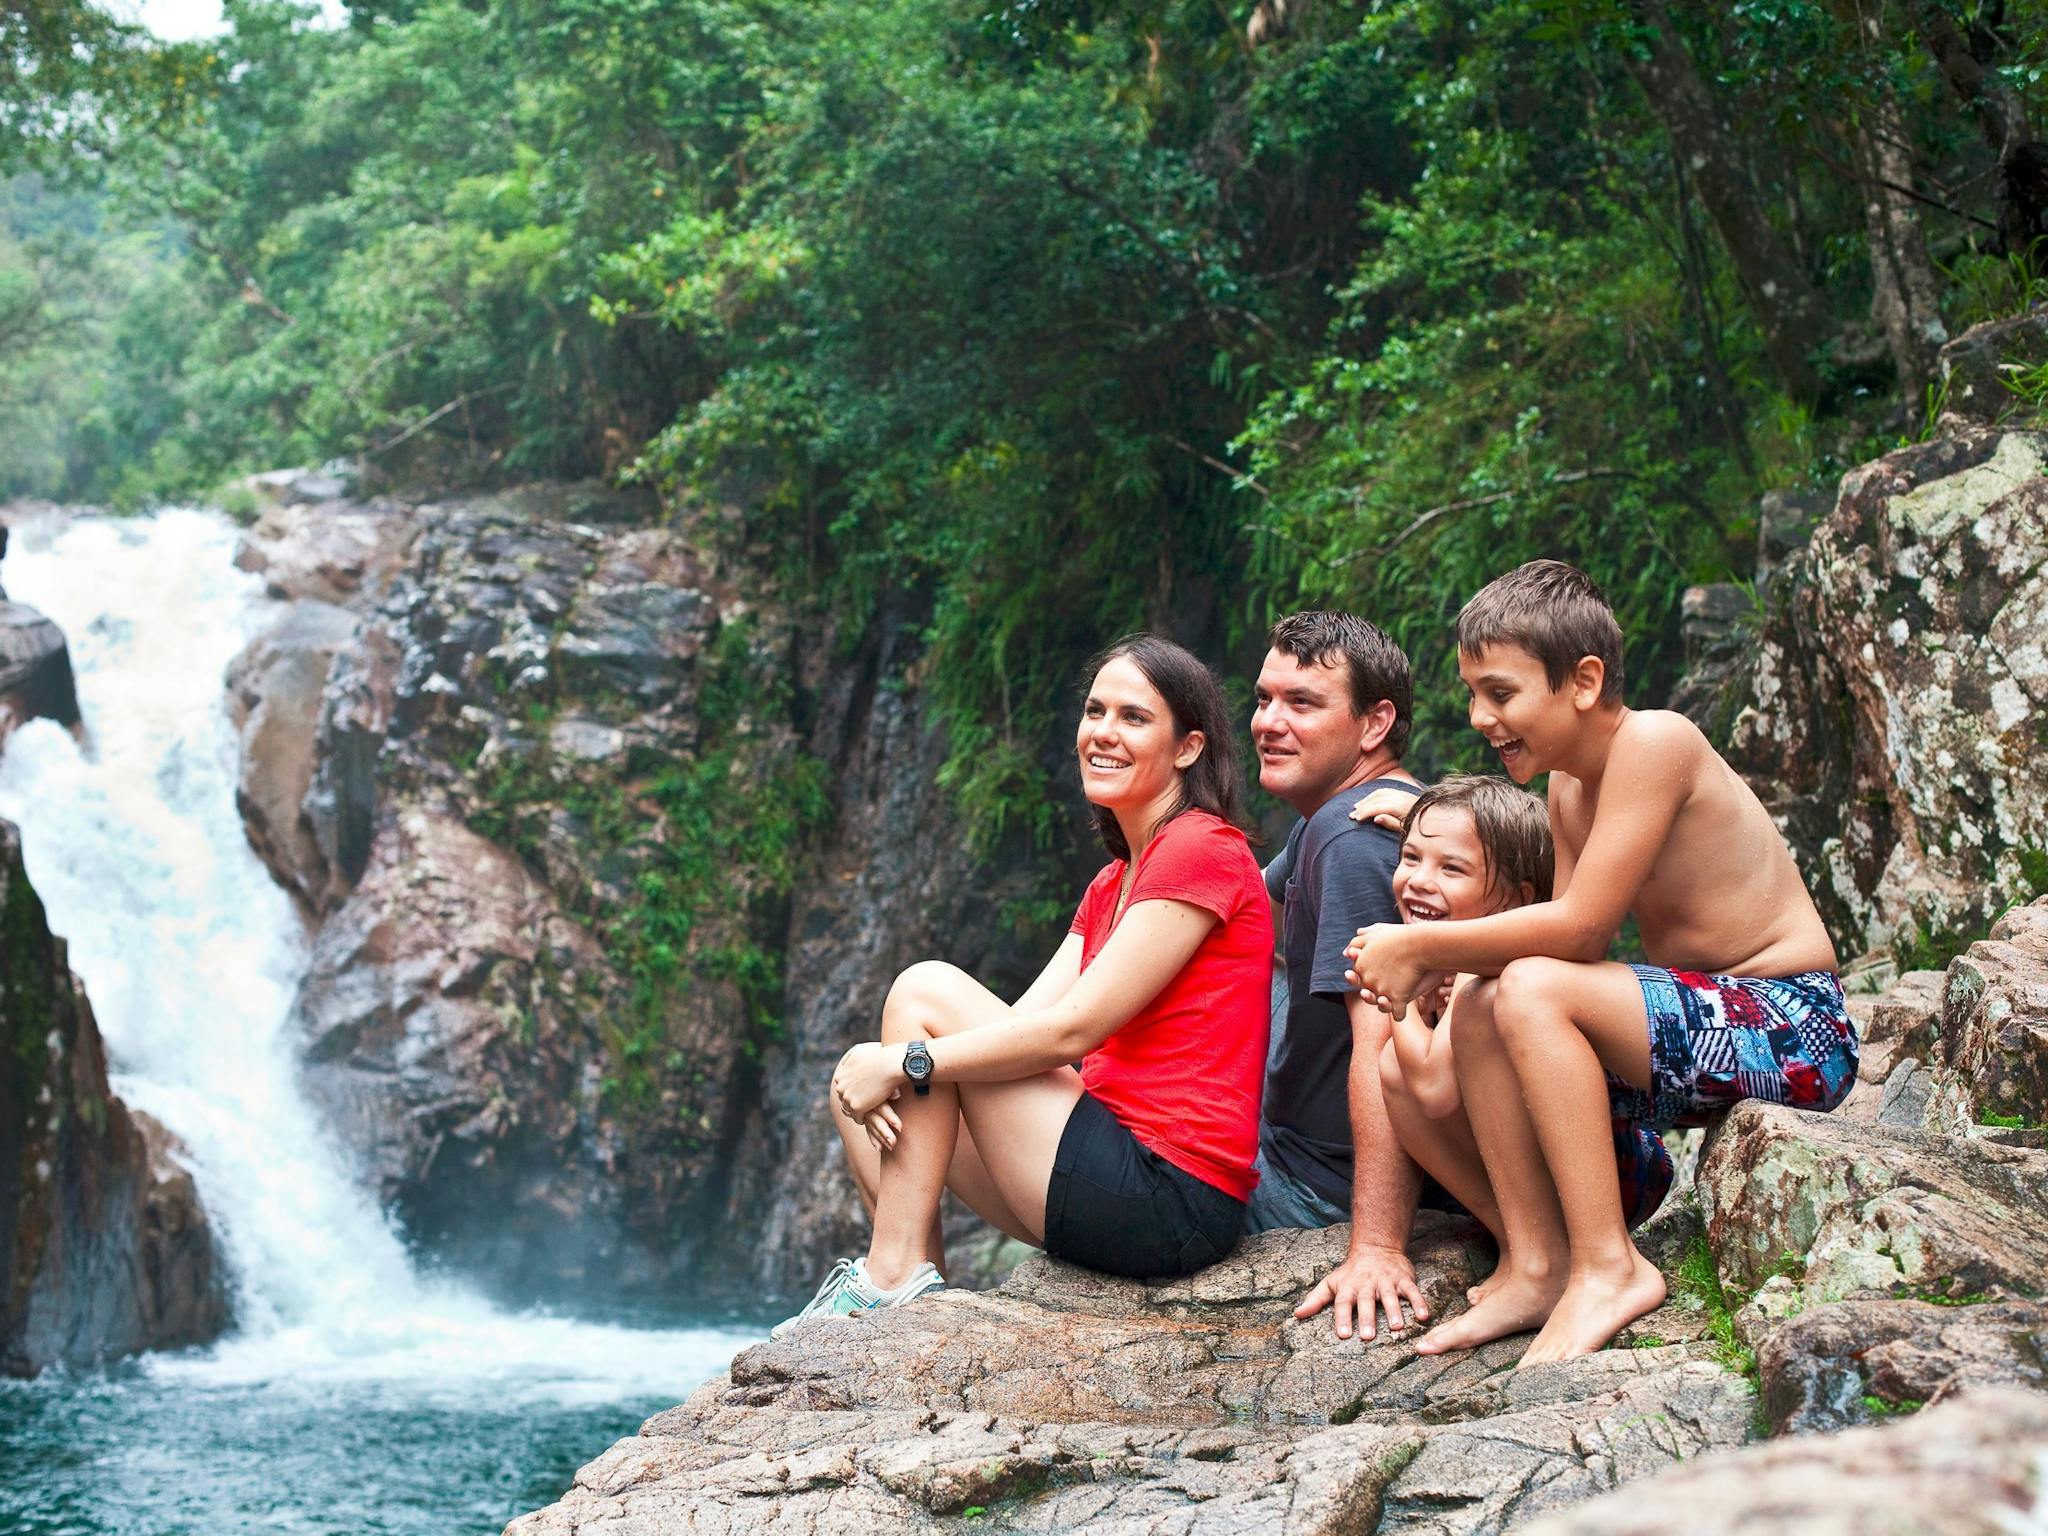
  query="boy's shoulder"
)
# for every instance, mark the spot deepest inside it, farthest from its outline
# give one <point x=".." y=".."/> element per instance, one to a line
<point x="1661" y="727"/>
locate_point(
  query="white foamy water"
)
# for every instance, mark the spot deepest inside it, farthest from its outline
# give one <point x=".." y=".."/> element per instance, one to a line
<point x="190" y="954"/>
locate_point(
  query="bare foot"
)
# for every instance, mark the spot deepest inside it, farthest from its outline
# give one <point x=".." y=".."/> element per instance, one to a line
<point x="1594" y="1308"/>
<point x="1515" y="1305"/>
<point x="1485" y="1288"/>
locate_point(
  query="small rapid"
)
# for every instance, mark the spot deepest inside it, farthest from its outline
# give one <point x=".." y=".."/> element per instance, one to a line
<point x="190" y="954"/>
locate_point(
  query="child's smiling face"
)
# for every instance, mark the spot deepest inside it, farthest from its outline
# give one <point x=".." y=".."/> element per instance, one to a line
<point x="1443" y="871"/>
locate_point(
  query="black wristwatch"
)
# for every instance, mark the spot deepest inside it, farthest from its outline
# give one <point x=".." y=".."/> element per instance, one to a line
<point x="917" y="1066"/>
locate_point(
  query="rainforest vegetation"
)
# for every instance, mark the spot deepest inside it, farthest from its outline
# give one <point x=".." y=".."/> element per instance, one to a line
<point x="1060" y="317"/>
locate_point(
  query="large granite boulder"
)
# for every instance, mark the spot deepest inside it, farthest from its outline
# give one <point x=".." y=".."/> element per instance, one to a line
<point x="1842" y="1207"/>
<point x="276" y="689"/>
<point x="1995" y="1019"/>
<point x="1969" y="1468"/>
<point x="1068" y="1401"/>
<point x="1891" y="712"/>
<point x="103" y="1248"/>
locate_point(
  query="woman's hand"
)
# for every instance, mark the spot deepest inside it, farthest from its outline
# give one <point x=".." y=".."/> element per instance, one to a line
<point x="1384" y="808"/>
<point x="867" y="1078"/>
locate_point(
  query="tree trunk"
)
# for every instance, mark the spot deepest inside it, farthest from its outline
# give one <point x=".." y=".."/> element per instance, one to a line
<point x="1785" y="302"/>
<point x="2001" y="116"/>
<point x="1904" y="295"/>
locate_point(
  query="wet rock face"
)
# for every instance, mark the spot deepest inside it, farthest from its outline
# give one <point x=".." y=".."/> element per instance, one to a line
<point x="1892" y="711"/>
<point x="461" y="773"/>
<point x="103" y="1248"/>
<point x="1067" y="1401"/>
<point x="35" y="670"/>
<point x="275" y="695"/>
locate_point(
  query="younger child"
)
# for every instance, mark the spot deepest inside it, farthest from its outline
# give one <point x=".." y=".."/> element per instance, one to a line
<point x="1741" y="999"/>
<point x="1470" y="845"/>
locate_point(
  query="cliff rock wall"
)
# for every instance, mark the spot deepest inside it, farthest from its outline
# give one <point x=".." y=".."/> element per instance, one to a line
<point x="103" y="1248"/>
<point x="608" y="856"/>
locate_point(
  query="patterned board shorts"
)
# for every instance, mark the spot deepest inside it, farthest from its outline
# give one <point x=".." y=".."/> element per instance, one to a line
<point x="1716" y="1040"/>
<point x="1644" y="1163"/>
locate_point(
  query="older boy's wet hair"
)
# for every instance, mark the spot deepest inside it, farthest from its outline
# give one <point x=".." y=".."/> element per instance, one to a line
<point x="1377" y="667"/>
<point x="1512" y="825"/>
<point x="1555" y="613"/>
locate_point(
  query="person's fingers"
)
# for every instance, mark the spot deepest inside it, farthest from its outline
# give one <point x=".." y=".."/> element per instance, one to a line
<point x="1388" y="819"/>
<point x="1389" y="1302"/>
<point x="894" y="1120"/>
<point x="1346" y="1304"/>
<point x="1418" y="1303"/>
<point x="1315" y="1300"/>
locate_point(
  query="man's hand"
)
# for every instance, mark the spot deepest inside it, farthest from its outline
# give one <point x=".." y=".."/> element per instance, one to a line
<point x="1371" y="1280"/>
<point x="1382" y="970"/>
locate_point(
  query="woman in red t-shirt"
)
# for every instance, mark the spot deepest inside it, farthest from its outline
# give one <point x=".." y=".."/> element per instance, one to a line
<point x="1139" y="1162"/>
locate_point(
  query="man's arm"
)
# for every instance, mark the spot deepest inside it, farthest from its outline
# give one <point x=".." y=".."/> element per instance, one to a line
<point x="1376" y="1275"/>
<point x="1639" y="800"/>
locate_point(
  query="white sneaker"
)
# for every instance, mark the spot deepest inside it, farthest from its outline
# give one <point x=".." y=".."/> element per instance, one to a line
<point x="848" y="1292"/>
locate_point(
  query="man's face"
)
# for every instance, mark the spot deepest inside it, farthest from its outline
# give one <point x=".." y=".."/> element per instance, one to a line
<point x="1308" y="740"/>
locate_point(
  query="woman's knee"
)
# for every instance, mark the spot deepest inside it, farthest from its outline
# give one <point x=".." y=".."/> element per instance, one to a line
<point x="916" y="994"/>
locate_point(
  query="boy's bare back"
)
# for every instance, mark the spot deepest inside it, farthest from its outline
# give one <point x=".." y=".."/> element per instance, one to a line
<point x="1722" y="894"/>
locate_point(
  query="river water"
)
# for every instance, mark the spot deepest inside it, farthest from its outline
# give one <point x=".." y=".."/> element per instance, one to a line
<point x="355" y="1395"/>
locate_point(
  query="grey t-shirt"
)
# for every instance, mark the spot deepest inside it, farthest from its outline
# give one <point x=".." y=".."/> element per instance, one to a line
<point x="1332" y="878"/>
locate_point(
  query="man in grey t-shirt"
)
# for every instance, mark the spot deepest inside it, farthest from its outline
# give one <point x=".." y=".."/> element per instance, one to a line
<point x="1334" y="707"/>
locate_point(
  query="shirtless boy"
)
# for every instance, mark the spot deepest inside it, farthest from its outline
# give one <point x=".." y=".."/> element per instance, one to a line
<point x="1741" y="999"/>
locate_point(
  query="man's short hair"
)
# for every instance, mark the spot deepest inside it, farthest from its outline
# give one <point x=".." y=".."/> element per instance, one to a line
<point x="1512" y="825"/>
<point x="1378" y="668"/>
<point x="1555" y="613"/>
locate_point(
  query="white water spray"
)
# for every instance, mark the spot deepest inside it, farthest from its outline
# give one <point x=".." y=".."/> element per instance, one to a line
<point x="190" y="954"/>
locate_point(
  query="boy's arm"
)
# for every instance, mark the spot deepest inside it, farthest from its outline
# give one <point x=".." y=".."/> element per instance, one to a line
<point x="1376" y="1275"/>
<point x="1639" y="800"/>
<point x="1426" y="1063"/>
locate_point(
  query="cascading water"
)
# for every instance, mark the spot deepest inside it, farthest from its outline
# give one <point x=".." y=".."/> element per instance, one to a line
<point x="190" y="953"/>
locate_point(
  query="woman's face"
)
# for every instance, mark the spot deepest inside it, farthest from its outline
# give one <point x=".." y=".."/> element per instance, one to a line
<point x="1443" y="872"/>
<point x="1128" y="752"/>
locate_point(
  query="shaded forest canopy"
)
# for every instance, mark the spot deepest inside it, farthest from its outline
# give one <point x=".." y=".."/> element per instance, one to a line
<point x="1066" y="317"/>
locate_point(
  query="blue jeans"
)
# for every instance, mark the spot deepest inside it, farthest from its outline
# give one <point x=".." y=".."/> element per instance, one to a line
<point x="1280" y="1201"/>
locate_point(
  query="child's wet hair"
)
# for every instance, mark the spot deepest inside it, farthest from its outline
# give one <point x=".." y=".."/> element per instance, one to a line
<point x="1555" y="613"/>
<point x="1512" y="825"/>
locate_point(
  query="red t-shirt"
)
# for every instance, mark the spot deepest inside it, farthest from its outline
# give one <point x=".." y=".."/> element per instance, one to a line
<point x="1185" y="1074"/>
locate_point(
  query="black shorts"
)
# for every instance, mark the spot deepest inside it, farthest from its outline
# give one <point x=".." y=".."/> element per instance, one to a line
<point x="1116" y="1206"/>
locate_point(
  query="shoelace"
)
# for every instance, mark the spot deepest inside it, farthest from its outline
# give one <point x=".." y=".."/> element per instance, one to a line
<point x="835" y="1277"/>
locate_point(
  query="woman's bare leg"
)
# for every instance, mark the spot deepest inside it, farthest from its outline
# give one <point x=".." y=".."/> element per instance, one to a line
<point x="1007" y="1126"/>
<point x="967" y="1177"/>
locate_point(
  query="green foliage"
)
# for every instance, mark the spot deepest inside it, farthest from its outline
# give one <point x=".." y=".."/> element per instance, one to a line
<point x="1029" y="322"/>
<point x="1885" y="1408"/>
<point x="711" y="841"/>
<point x="1699" y="1278"/>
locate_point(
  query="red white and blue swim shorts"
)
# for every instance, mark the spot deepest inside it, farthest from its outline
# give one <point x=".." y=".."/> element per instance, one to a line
<point x="1716" y="1040"/>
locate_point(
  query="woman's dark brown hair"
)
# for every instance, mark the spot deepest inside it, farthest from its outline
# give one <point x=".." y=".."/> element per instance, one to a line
<point x="1194" y="699"/>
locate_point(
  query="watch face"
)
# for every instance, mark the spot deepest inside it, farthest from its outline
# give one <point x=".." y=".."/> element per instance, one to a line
<point x="917" y="1063"/>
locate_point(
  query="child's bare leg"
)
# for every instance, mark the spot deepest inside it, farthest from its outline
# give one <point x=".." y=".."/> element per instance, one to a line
<point x="1531" y="1274"/>
<point x="1442" y="1145"/>
<point x="1564" y="1025"/>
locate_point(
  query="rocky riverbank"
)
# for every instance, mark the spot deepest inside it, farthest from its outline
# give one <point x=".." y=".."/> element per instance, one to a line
<point x="1878" y="1272"/>
<point x="1826" y="1273"/>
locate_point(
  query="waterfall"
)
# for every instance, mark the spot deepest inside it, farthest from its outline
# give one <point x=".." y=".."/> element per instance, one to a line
<point x="190" y="954"/>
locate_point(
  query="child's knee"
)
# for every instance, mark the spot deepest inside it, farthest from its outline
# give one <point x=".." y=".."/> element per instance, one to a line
<point x="1529" y="990"/>
<point x="1393" y="1084"/>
